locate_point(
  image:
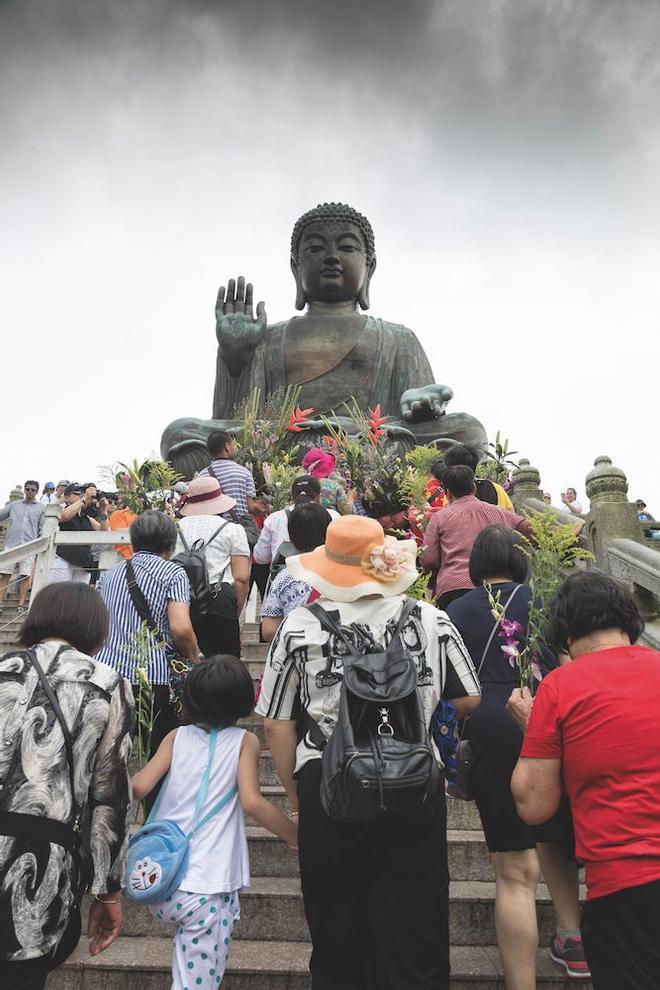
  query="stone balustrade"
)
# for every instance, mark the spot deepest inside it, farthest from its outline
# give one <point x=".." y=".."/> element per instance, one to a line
<point x="612" y="532"/>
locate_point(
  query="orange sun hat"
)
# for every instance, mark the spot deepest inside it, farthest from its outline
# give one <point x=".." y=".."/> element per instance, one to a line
<point x="357" y="560"/>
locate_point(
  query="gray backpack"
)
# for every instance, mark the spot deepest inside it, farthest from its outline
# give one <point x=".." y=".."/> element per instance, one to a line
<point x="379" y="765"/>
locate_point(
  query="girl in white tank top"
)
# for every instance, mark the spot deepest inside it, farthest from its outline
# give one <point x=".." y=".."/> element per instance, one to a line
<point x="205" y="908"/>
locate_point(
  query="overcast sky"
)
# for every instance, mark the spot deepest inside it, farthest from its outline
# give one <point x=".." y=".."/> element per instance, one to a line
<point x="507" y="154"/>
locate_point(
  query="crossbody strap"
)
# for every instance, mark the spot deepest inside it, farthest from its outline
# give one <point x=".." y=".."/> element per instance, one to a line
<point x="206" y="779"/>
<point x="201" y="793"/>
<point x="494" y="629"/>
<point x="68" y="742"/>
<point x="218" y="806"/>
<point x="513" y="594"/>
<point x="138" y="599"/>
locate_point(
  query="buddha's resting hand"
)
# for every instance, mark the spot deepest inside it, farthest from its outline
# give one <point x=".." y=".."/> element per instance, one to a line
<point x="237" y="329"/>
<point x="427" y="402"/>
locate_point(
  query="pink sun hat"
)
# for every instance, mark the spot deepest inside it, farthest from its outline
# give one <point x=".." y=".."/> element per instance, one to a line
<point x="320" y="463"/>
<point x="205" y="498"/>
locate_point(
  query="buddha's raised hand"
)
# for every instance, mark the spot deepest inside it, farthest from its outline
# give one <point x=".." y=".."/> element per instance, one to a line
<point x="427" y="402"/>
<point x="237" y="328"/>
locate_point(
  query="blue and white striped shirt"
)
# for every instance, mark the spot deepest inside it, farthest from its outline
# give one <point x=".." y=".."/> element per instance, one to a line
<point x="235" y="481"/>
<point x="161" y="582"/>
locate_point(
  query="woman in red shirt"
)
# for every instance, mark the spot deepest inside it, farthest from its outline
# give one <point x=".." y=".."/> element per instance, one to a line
<point x="595" y="727"/>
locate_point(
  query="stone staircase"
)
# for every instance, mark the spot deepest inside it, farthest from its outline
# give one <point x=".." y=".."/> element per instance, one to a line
<point x="271" y="948"/>
<point x="10" y="620"/>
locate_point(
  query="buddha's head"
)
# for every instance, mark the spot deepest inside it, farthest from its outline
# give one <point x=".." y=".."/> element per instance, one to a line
<point x="332" y="256"/>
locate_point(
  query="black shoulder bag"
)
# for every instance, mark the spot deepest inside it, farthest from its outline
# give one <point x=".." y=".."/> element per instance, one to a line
<point x="178" y="667"/>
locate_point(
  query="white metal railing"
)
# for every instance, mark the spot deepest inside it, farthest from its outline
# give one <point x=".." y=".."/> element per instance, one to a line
<point x="43" y="549"/>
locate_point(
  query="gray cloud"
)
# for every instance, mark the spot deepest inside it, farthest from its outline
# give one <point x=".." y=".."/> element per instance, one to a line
<point x="506" y="151"/>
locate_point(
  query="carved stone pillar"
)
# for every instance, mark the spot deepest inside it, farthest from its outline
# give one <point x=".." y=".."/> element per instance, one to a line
<point x="611" y="517"/>
<point x="526" y="484"/>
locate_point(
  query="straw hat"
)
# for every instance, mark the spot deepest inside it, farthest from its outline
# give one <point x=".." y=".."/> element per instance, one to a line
<point x="357" y="560"/>
<point x="205" y="498"/>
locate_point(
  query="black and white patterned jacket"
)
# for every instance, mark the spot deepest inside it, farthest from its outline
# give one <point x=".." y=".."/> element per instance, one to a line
<point x="35" y="893"/>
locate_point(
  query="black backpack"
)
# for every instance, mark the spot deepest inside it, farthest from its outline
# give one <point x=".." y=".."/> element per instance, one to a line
<point x="379" y="765"/>
<point x="193" y="561"/>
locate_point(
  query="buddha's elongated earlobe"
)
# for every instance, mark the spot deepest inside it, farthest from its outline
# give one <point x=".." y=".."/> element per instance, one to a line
<point x="363" y="294"/>
<point x="301" y="298"/>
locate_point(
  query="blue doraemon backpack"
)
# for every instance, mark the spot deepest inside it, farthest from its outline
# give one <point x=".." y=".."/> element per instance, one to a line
<point x="157" y="856"/>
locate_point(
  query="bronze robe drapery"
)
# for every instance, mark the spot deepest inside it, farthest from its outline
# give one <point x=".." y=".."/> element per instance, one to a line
<point x="386" y="360"/>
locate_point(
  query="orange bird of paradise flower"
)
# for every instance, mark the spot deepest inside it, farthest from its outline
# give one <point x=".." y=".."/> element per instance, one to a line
<point x="298" y="419"/>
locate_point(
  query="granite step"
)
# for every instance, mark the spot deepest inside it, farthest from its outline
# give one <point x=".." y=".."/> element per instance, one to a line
<point x="255" y="724"/>
<point x="270" y="857"/>
<point x="144" y="964"/>
<point x="272" y="909"/>
<point x="467" y="855"/>
<point x="254" y="651"/>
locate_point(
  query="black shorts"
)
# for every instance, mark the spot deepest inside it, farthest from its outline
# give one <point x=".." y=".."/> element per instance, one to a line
<point x="496" y="742"/>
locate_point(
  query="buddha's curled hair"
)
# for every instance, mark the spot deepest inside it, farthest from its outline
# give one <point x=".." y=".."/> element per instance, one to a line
<point x="334" y="212"/>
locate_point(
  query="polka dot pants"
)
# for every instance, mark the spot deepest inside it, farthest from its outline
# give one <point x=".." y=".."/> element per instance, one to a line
<point x="204" y="926"/>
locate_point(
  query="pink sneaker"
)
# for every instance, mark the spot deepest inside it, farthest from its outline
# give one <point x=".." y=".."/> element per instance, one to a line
<point x="570" y="955"/>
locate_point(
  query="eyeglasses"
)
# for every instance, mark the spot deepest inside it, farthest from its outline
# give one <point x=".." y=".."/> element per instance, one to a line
<point x="32" y="490"/>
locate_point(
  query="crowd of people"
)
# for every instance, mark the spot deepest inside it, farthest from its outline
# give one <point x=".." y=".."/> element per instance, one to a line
<point x="357" y="679"/>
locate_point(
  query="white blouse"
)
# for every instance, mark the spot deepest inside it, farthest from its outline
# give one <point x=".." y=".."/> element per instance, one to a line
<point x="230" y="542"/>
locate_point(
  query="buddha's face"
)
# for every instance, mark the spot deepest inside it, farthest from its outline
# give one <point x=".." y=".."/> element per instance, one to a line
<point x="332" y="262"/>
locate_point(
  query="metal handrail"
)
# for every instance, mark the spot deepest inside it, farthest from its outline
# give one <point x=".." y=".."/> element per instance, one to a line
<point x="64" y="538"/>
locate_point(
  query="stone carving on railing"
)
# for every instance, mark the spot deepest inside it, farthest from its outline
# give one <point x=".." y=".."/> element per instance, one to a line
<point x="612" y="532"/>
<point x="636" y="564"/>
<point x="611" y="516"/>
<point x="526" y="482"/>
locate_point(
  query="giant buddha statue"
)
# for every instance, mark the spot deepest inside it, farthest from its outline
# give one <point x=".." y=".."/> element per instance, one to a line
<point x="334" y="351"/>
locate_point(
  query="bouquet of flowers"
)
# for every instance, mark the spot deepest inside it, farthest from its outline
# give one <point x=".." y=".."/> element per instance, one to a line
<point x="145" y="485"/>
<point x="366" y="462"/>
<point x="266" y="439"/>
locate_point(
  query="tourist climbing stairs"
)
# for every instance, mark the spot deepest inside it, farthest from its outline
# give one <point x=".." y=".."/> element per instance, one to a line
<point x="271" y="947"/>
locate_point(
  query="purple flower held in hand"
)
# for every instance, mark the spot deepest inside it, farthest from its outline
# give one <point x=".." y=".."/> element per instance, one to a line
<point x="536" y="670"/>
<point x="509" y="628"/>
<point x="510" y="650"/>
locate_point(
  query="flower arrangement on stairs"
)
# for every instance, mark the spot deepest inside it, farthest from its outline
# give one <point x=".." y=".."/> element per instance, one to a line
<point x="267" y="443"/>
